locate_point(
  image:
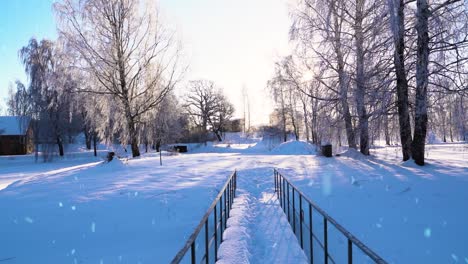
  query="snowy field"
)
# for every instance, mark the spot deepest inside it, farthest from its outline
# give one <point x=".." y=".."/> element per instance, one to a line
<point x="82" y="210"/>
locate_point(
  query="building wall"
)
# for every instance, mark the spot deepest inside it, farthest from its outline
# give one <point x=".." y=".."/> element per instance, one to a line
<point x="13" y="145"/>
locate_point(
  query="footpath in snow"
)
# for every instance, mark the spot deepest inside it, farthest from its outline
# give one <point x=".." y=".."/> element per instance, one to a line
<point x="258" y="230"/>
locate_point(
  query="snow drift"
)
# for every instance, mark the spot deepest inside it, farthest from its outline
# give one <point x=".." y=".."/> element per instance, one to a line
<point x="294" y="148"/>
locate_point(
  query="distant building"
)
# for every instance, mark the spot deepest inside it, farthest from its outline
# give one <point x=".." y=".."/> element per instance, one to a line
<point x="234" y="125"/>
<point x="16" y="135"/>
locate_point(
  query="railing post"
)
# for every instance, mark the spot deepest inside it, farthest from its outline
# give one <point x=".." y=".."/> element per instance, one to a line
<point x="325" y="238"/>
<point x="289" y="219"/>
<point x="350" y="251"/>
<point x="207" y="241"/>
<point x="281" y="194"/>
<point x="228" y="198"/>
<point x="301" y="218"/>
<point x="194" y="260"/>
<point x="232" y="191"/>
<point x="225" y="210"/>
<point x="216" y="233"/>
<point x="294" y="210"/>
<point x="235" y="181"/>
<point x="284" y="195"/>
<point x="274" y="177"/>
<point x="311" y="235"/>
<point x="221" y="216"/>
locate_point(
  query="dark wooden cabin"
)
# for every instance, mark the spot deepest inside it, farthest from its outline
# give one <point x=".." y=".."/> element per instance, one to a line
<point x="16" y="135"/>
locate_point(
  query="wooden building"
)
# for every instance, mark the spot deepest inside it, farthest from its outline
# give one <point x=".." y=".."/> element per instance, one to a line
<point x="16" y="135"/>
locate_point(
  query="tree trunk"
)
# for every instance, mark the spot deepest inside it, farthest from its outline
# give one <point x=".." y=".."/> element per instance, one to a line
<point x="387" y="132"/>
<point x="218" y="136"/>
<point x="158" y="145"/>
<point x="60" y="145"/>
<point x="132" y="132"/>
<point x="420" y="112"/>
<point x="360" y="81"/>
<point x="342" y="82"/>
<point x="283" y="115"/>
<point x="87" y="138"/>
<point x="402" y="81"/>
<point x="444" y="128"/>
<point x="306" y="119"/>
<point x="95" y="143"/>
<point x="293" y="122"/>
<point x="134" y="144"/>
<point x="450" y="125"/>
<point x="463" y="126"/>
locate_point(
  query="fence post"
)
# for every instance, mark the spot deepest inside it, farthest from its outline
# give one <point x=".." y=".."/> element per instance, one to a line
<point x="350" y="252"/>
<point x="281" y="189"/>
<point x="274" y="178"/>
<point x="294" y="210"/>
<point x="325" y="238"/>
<point x="225" y="210"/>
<point x="235" y="180"/>
<point x="194" y="260"/>
<point x="228" y="201"/>
<point x="284" y="195"/>
<point x="311" y="235"/>
<point x="232" y="191"/>
<point x="216" y="232"/>
<point x="221" y="216"/>
<point x="301" y="218"/>
<point x="207" y="250"/>
<point x="288" y="202"/>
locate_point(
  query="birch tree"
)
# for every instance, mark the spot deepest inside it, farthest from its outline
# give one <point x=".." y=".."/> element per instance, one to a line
<point x="124" y="46"/>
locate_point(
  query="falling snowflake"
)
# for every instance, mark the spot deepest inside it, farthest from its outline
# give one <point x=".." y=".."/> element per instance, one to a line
<point x="427" y="232"/>
<point x="73" y="207"/>
<point x="60" y="204"/>
<point x="93" y="227"/>
<point x="29" y="220"/>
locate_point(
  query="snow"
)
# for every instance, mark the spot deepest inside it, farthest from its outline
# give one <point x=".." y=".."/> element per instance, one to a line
<point x="82" y="210"/>
<point x="257" y="228"/>
<point x="13" y="125"/>
<point x="294" y="148"/>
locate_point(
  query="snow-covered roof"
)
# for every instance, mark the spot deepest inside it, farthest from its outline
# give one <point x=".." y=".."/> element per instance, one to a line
<point x="14" y="125"/>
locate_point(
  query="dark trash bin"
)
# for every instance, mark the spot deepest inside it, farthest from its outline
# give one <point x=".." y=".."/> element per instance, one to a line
<point x="180" y="148"/>
<point x="327" y="150"/>
<point x="110" y="156"/>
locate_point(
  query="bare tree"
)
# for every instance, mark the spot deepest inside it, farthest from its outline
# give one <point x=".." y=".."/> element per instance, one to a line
<point x="124" y="46"/>
<point x="208" y="107"/>
<point x="324" y="22"/>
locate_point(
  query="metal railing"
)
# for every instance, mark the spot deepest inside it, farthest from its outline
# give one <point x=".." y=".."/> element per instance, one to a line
<point x="214" y="222"/>
<point x="303" y="216"/>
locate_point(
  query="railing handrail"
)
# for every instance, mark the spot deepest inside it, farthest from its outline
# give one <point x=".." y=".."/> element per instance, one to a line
<point x="340" y="228"/>
<point x="180" y="255"/>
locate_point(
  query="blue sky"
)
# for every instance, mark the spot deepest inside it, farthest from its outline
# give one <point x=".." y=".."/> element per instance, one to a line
<point x="20" y="20"/>
<point x="233" y="43"/>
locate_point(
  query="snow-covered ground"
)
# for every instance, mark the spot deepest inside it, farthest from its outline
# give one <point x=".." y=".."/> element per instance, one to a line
<point x="81" y="210"/>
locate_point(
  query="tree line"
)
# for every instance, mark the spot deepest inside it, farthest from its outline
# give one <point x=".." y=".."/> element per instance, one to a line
<point x="366" y="70"/>
<point x="111" y="75"/>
